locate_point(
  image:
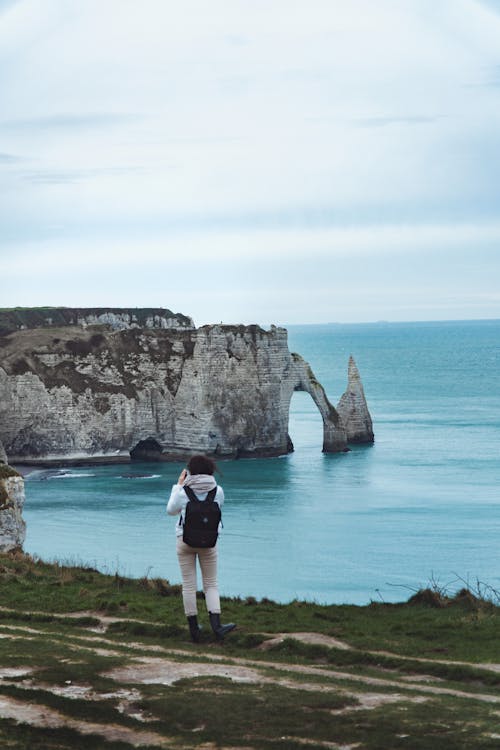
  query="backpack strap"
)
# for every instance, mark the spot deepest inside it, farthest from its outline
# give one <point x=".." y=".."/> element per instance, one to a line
<point x="211" y="495"/>
<point x="192" y="495"/>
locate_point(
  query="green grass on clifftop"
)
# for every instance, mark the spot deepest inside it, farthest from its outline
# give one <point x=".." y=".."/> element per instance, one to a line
<point x="13" y="318"/>
<point x="462" y="628"/>
<point x="96" y="661"/>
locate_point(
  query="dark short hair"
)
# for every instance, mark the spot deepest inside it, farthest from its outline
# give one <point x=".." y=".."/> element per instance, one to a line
<point x="201" y="465"/>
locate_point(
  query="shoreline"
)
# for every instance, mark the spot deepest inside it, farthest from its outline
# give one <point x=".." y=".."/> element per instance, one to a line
<point x="26" y="466"/>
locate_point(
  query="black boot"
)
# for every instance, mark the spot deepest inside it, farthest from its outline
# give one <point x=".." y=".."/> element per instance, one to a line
<point x="194" y="628"/>
<point x="220" y="630"/>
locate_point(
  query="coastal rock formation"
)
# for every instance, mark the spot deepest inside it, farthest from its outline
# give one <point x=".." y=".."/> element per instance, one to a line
<point x="22" y="318"/>
<point x="3" y="455"/>
<point x="353" y="409"/>
<point x="12" y="526"/>
<point x="334" y="432"/>
<point x="76" y="393"/>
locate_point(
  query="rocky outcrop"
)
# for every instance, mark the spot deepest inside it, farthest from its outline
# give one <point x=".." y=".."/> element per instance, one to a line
<point x="353" y="409"/>
<point x="3" y="455"/>
<point x="22" y="318"/>
<point x="81" y="394"/>
<point x="12" y="526"/>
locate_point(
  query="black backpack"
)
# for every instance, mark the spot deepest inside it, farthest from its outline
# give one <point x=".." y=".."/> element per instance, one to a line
<point x="201" y="520"/>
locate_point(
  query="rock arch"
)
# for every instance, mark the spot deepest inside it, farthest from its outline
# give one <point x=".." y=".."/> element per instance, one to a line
<point x="303" y="379"/>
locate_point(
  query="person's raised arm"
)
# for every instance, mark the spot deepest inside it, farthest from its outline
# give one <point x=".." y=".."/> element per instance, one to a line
<point x="177" y="497"/>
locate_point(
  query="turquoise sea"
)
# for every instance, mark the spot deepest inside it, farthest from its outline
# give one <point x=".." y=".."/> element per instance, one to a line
<point x="421" y="504"/>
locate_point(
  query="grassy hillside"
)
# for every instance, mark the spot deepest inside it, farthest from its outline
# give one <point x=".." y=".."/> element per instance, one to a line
<point x="95" y="661"/>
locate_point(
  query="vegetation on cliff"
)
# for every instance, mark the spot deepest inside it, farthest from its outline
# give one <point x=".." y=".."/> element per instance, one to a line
<point x="14" y="318"/>
<point x="88" y="660"/>
<point x="7" y="471"/>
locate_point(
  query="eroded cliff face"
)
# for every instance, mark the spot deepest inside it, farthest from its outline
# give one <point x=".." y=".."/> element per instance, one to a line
<point x="12" y="525"/>
<point x="73" y="393"/>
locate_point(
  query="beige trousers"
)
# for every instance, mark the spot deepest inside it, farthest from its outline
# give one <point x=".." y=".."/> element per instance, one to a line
<point x="208" y="563"/>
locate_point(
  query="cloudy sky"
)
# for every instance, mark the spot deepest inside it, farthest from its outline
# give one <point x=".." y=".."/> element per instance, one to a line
<point x="252" y="160"/>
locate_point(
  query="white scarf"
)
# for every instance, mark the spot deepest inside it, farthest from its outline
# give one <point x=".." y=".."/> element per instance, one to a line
<point x="200" y="482"/>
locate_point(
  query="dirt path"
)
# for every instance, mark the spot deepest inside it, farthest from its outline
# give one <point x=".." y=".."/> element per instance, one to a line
<point x="43" y="716"/>
<point x="273" y="639"/>
<point x="327" y="640"/>
<point x="151" y="670"/>
<point x="148" y="664"/>
<point x="247" y="670"/>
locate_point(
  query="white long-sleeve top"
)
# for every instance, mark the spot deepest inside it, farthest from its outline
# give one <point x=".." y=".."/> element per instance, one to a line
<point x="178" y="500"/>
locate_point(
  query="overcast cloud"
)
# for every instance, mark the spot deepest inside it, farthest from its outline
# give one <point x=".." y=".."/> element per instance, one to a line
<point x="252" y="161"/>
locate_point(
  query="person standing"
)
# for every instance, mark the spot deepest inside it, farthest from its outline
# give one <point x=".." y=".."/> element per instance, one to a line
<point x="198" y="478"/>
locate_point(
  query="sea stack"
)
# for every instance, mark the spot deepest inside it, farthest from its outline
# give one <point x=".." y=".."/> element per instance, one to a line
<point x="353" y="408"/>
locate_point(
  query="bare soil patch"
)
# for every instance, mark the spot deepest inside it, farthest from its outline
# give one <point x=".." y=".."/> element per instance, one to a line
<point x="43" y="716"/>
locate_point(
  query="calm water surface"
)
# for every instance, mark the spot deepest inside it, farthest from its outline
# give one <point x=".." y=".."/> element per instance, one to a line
<point x="422" y="502"/>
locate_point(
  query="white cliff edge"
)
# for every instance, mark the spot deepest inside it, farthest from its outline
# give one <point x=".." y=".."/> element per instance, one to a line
<point x="160" y="394"/>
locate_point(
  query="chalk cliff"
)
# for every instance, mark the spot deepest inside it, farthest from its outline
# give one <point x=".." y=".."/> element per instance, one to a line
<point x="97" y="392"/>
<point x="12" y="526"/>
